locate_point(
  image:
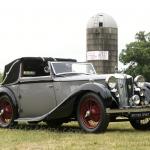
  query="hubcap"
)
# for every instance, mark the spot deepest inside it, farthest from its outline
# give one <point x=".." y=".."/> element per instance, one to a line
<point x="90" y="112"/>
<point x="144" y="121"/>
<point x="6" y="112"/>
<point x="1" y="112"/>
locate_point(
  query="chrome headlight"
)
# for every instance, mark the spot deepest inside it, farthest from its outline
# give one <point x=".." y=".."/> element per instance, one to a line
<point x="111" y="82"/>
<point x="136" y="99"/>
<point x="139" y="81"/>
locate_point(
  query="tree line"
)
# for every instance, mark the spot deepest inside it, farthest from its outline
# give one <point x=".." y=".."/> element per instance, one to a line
<point x="136" y="56"/>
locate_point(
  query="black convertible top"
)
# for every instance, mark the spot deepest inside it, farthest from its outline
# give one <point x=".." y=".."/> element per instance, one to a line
<point x="11" y="70"/>
<point x="26" y="59"/>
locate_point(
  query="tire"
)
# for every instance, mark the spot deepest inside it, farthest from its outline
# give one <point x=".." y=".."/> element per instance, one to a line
<point x="91" y="114"/>
<point x="7" y="112"/>
<point x="54" y="123"/>
<point x="140" y="124"/>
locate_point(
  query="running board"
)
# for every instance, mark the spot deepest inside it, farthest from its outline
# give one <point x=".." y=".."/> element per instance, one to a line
<point x="31" y="119"/>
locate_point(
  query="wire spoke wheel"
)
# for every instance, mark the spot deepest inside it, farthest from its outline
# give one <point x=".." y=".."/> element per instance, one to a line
<point x="6" y="111"/>
<point x="140" y="124"/>
<point x="91" y="113"/>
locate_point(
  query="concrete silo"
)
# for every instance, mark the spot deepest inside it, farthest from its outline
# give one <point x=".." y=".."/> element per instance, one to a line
<point x="102" y="43"/>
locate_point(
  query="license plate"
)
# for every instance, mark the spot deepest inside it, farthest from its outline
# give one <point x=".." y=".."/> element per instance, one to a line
<point x="140" y="115"/>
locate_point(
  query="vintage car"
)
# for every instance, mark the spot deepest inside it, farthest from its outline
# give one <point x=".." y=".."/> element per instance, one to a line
<point x="56" y="90"/>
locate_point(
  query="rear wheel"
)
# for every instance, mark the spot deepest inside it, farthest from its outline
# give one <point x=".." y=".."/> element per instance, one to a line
<point x="140" y="124"/>
<point x="7" y="112"/>
<point x="91" y="113"/>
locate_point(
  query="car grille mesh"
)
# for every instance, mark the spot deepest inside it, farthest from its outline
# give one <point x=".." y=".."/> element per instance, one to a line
<point x="125" y="88"/>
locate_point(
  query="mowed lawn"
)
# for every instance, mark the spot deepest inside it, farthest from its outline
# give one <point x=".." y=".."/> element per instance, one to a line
<point x="119" y="136"/>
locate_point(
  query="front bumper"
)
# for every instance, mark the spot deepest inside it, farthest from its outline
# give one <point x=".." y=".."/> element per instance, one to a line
<point x="137" y="109"/>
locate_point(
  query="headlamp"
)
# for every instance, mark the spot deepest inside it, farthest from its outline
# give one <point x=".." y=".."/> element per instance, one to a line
<point x="139" y="81"/>
<point x="111" y="82"/>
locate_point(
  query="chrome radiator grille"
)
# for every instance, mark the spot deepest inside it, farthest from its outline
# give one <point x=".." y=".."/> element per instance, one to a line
<point x="125" y="88"/>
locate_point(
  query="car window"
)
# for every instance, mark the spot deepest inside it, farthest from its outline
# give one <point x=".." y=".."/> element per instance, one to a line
<point x="34" y="69"/>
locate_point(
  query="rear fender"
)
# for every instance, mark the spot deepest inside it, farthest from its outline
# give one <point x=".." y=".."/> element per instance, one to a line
<point x="8" y="92"/>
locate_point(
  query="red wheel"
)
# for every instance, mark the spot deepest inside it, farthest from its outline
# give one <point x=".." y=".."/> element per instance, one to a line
<point x="6" y="112"/>
<point x="140" y="124"/>
<point x="91" y="113"/>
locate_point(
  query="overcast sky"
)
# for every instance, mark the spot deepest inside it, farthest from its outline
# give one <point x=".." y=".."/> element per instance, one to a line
<point x="57" y="28"/>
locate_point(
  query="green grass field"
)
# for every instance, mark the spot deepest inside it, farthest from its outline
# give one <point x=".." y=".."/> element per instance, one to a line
<point x="119" y="136"/>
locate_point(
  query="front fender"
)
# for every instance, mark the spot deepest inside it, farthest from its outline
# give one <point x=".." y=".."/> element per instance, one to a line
<point x="66" y="108"/>
<point x="97" y="88"/>
<point x="146" y="89"/>
<point x="147" y="84"/>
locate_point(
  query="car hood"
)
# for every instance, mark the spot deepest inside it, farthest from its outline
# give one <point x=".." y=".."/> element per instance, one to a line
<point x="92" y="77"/>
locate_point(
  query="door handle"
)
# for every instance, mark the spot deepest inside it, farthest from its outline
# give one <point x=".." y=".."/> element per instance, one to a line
<point x="50" y="86"/>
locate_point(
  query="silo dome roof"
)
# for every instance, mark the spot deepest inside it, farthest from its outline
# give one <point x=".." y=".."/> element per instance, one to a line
<point x="101" y="20"/>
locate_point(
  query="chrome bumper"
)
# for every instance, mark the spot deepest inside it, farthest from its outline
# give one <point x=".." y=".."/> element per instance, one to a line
<point x="138" y="109"/>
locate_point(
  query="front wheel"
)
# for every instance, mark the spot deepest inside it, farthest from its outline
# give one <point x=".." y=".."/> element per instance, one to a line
<point x="91" y="114"/>
<point x="7" y="112"/>
<point x="140" y="124"/>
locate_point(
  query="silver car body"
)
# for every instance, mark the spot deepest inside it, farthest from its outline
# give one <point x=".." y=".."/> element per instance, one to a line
<point x="55" y="95"/>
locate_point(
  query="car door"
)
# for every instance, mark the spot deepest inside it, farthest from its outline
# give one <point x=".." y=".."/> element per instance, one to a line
<point x="37" y="96"/>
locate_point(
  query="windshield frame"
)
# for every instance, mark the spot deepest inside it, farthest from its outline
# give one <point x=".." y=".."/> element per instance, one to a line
<point x="73" y="73"/>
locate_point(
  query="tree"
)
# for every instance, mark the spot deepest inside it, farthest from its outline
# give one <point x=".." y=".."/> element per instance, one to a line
<point x="1" y="76"/>
<point x="137" y="56"/>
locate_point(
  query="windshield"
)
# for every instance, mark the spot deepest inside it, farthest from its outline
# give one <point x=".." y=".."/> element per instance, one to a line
<point x="72" y="68"/>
